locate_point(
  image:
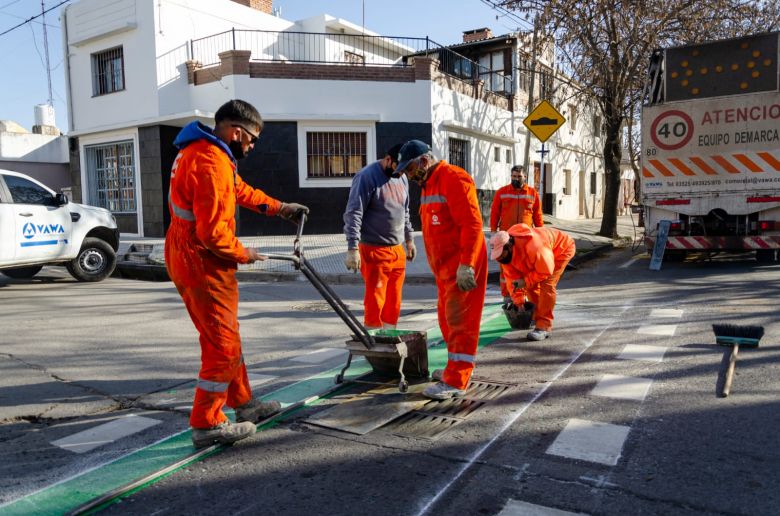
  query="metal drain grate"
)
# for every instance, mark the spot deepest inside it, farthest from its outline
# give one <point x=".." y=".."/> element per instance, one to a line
<point x="437" y="417"/>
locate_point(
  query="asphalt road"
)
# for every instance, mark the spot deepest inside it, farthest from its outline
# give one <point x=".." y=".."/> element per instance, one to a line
<point x="616" y="414"/>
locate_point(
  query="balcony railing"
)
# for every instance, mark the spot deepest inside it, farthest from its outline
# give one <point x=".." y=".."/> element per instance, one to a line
<point x="343" y="49"/>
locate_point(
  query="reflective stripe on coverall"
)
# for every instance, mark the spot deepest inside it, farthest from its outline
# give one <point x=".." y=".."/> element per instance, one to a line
<point x="201" y="255"/>
<point x="540" y="257"/>
<point x="514" y="206"/>
<point x="452" y="232"/>
<point x="383" y="269"/>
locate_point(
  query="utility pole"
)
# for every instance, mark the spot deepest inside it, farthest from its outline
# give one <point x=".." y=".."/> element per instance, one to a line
<point x="526" y="158"/>
<point x="46" y="52"/>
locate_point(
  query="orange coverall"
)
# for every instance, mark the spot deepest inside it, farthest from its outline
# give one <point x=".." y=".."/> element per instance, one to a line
<point x="201" y="255"/>
<point x="383" y="269"/>
<point x="514" y="206"/>
<point x="540" y="256"/>
<point x="452" y="232"/>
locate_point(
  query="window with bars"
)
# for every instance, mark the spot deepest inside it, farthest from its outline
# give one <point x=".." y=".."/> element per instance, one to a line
<point x="335" y="153"/>
<point x="108" y="71"/>
<point x="459" y="153"/>
<point x="546" y="86"/>
<point x="111" y="176"/>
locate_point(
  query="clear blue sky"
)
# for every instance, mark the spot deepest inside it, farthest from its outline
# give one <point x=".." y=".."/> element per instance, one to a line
<point x="22" y="58"/>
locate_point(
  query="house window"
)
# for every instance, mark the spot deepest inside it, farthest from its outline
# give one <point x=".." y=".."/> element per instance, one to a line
<point x="523" y="73"/>
<point x="567" y="182"/>
<point x="108" y="71"/>
<point x="111" y="176"/>
<point x="546" y="86"/>
<point x="497" y="154"/>
<point x="459" y="153"/>
<point x="572" y="117"/>
<point x="332" y="154"/>
<point x="508" y="156"/>
<point x="593" y="183"/>
<point x="491" y="70"/>
<point x="597" y="125"/>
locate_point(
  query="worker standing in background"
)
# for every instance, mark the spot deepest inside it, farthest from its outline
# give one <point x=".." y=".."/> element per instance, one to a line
<point x="455" y="246"/>
<point x="376" y="223"/>
<point x="515" y="203"/>
<point x="535" y="259"/>
<point x="202" y="254"/>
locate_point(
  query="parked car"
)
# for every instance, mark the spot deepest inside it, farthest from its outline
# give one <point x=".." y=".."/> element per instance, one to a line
<point x="40" y="227"/>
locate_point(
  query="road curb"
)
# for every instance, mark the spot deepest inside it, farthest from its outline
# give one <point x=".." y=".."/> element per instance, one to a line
<point x="150" y="272"/>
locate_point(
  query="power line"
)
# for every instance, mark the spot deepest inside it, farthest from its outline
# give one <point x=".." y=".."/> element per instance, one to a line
<point x="28" y="20"/>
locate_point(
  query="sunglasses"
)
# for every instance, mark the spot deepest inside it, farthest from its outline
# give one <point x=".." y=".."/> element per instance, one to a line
<point x="253" y="137"/>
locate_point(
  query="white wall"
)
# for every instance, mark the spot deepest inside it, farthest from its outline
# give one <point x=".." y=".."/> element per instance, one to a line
<point x="483" y="125"/>
<point x="37" y="148"/>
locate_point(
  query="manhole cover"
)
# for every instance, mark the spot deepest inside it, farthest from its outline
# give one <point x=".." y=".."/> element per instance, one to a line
<point x="315" y="306"/>
<point x="437" y="417"/>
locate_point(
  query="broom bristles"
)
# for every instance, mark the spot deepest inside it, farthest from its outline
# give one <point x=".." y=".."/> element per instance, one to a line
<point x="736" y="330"/>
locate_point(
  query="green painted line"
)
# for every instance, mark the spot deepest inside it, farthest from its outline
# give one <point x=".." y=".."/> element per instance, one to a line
<point x="74" y="492"/>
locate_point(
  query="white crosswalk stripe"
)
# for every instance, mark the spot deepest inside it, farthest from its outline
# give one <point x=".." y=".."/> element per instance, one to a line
<point x="622" y="387"/>
<point x="591" y="441"/>
<point x="90" y="439"/>
<point x="643" y="352"/>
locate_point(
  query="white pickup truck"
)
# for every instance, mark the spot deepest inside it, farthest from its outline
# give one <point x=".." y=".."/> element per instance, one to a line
<point x="39" y="227"/>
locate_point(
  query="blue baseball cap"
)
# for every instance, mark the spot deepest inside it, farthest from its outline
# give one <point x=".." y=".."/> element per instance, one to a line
<point x="411" y="150"/>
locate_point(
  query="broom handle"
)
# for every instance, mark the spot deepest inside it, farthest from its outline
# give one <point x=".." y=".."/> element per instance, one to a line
<point x="730" y="370"/>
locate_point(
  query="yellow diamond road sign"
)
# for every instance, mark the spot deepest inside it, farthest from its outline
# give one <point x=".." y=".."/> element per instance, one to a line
<point x="543" y="121"/>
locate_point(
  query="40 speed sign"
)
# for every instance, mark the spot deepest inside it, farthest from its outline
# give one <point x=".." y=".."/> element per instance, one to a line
<point x="671" y="130"/>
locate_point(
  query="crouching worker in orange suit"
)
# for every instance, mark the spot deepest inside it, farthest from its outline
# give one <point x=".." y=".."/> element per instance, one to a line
<point x="455" y="245"/>
<point x="376" y="221"/>
<point x="202" y="254"/>
<point x="534" y="260"/>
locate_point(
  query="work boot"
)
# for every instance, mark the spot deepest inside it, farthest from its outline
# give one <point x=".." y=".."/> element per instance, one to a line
<point x="538" y="335"/>
<point x="255" y="410"/>
<point x="225" y="433"/>
<point x="442" y="391"/>
<point x="437" y="374"/>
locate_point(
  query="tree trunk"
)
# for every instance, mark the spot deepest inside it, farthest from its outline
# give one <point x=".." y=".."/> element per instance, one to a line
<point x="612" y="156"/>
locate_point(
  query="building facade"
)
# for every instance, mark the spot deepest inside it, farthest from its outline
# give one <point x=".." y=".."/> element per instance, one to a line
<point x="334" y="97"/>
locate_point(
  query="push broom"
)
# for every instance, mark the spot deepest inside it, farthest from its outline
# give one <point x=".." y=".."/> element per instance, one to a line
<point x="735" y="336"/>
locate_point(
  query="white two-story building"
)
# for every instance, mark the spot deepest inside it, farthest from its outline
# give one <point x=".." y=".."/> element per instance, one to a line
<point x="334" y="97"/>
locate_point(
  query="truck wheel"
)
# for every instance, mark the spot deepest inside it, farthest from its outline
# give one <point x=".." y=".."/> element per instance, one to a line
<point x="765" y="256"/>
<point x="22" y="272"/>
<point x="95" y="262"/>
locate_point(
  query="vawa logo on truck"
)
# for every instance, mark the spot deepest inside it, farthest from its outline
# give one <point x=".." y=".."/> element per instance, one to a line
<point x="31" y="231"/>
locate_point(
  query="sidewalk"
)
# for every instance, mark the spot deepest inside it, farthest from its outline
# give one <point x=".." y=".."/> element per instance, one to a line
<point x="325" y="254"/>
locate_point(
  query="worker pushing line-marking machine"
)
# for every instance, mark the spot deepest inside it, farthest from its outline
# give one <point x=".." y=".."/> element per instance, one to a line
<point x="387" y="351"/>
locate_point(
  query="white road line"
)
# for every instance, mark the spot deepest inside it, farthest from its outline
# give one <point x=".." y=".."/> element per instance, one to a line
<point x="520" y="508"/>
<point x="628" y="263"/>
<point x="256" y="379"/>
<point x="477" y="454"/>
<point x="90" y="439"/>
<point x="666" y="312"/>
<point x="320" y="355"/>
<point x="591" y="441"/>
<point x="665" y="330"/>
<point x="642" y="352"/>
<point x="622" y="387"/>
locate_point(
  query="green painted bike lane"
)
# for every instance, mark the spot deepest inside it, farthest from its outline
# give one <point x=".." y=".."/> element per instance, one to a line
<point x="74" y="492"/>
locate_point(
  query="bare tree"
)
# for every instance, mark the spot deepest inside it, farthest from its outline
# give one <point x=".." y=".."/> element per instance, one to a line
<point x="605" y="45"/>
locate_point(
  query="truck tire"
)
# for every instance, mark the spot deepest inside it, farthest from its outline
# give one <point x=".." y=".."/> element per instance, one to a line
<point x="95" y="262"/>
<point x="22" y="272"/>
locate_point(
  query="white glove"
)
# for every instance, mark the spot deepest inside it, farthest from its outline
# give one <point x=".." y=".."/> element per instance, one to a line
<point x="465" y="278"/>
<point x="352" y="260"/>
<point x="411" y="250"/>
<point x="292" y="211"/>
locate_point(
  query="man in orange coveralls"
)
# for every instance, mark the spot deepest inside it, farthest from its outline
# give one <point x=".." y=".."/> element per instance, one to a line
<point x="455" y="245"/>
<point x="513" y="204"/>
<point x="201" y="255"/>
<point x="535" y="260"/>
